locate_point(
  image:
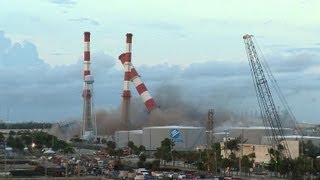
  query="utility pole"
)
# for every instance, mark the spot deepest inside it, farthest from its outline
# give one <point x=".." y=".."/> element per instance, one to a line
<point x="241" y="153"/>
<point x="5" y="144"/>
<point x="171" y="149"/>
<point x="5" y="156"/>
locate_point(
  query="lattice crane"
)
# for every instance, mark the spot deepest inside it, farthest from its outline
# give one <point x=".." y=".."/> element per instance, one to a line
<point x="269" y="113"/>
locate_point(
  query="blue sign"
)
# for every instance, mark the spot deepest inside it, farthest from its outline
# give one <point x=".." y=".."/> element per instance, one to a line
<point x="175" y="135"/>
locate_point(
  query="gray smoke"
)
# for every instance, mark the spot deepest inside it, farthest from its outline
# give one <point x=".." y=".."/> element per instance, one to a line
<point x="174" y="108"/>
<point x="66" y="130"/>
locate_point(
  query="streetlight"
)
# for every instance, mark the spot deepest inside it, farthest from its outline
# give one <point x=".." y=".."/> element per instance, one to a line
<point x="199" y="151"/>
<point x="171" y="151"/>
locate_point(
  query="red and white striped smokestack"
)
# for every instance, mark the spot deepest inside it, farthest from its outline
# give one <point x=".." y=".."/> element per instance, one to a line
<point x="86" y="55"/>
<point x="142" y="90"/>
<point x="135" y="78"/>
<point x="89" y="128"/>
<point x="126" y="64"/>
<point x="126" y="86"/>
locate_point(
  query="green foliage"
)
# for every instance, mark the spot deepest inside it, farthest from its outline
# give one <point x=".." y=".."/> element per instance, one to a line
<point x="111" y="144"/>
<point x="130" y="144"/>
<point x="119" y="152"/>
<point x="310" y="150"/>
<point x="200" y="165"/>
<point x="247" y="162"/>
<point x="103" y="141"/>
<point x="142" y="157"/>
<point x="76" y="138"/>
<point x="12" y="133"/>
<point x="233" y="145"/>
<point x="142" y="148"/>
<point x="148" y="165"/>
<point x="155" y="164"/>
<point x="41" y="139"/>
<point x="111" y="148"/>
<point x="26" y="125"/>
<point x="134" y="149"/>
<point x="1" y="136"/>
<point x="68" y="149"/>
<point x="15" y="143"/>
<point x="164" y="151"/>
<point x="140" y="164"/>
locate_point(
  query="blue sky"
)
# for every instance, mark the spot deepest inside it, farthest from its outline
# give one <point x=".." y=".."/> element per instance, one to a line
<point x="195" y="47"/>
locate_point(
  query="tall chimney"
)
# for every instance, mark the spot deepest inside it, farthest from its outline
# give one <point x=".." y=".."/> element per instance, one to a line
<point x="135" y="78"/>
<point x="126" y="88"/>
<point x="89" y="128"/>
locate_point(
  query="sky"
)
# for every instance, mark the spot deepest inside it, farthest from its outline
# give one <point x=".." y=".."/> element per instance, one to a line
<point x="195" y="47"/>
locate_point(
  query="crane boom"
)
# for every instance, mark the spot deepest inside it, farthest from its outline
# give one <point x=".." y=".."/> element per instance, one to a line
<point x="268" y="110"/>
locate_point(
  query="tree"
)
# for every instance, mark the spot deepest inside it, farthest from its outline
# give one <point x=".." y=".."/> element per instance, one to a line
<point x="148" y="165"/>
<point x="310" y="150"/>
<point x="142" y="161"/>
<point x="26" y="138"/>
<point x="76" y="138"/>
<point x="119" y="152"/>
<point x="233" y="145"/>
<point x="12" y="133"/>
<point x="103" y="141"/>
<point x="131" y="144"/>
<point x="155" y="164"/>
<point x="142" y="148"/>
<point x="1" y="136"/>
<point x="68" y="149"/>
<point x="111" y="144"/>
<point x="247" y="162"/>
<point x="164" y="151"/>
<point x="111" y="148"/>
<point x="142" y="157"/>
<point x="134" y="149"/>
<point x="15" y="143"/>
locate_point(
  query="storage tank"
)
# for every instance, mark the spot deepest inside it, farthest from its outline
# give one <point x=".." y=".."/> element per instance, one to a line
<point x="314" y="139"/>
<point x="253" y="135"/>
<point x="219" y="136"/>
<point x="121" y="138"/>
<point x="185" y="137"/>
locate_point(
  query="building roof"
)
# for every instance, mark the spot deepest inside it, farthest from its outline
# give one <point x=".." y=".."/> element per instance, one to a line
<point x="173" y="127"/>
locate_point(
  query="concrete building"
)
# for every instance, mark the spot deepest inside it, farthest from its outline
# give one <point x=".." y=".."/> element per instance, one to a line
<point x="261" y="151"/>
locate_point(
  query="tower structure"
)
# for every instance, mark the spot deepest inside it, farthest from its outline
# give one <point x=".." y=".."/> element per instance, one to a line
<point x="126" y="86"/>
<point x="269" y="112"/>
<point x="209" y="126"/>
<point x="89" y="128"/>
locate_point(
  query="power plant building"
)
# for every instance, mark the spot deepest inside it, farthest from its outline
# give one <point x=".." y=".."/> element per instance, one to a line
<point x="184" y="137"/>
<point x="254" y="135"/>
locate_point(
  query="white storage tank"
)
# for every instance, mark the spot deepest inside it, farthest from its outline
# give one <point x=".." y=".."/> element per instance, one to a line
<point x="121" y="138"/>
<point x="253" y="135"/>
<point x="219" y="136"/>
<point x="185" y="137"/>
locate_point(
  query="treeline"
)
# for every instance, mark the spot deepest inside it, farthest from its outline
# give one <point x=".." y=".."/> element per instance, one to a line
<point x="25" y="125"/>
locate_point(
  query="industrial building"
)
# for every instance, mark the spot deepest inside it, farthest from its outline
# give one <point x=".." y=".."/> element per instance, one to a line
<point x="184" y="137"/>
<point x="254" y="135"/>
<point x="89" y="126"/>
<point x="314" y="139"/>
